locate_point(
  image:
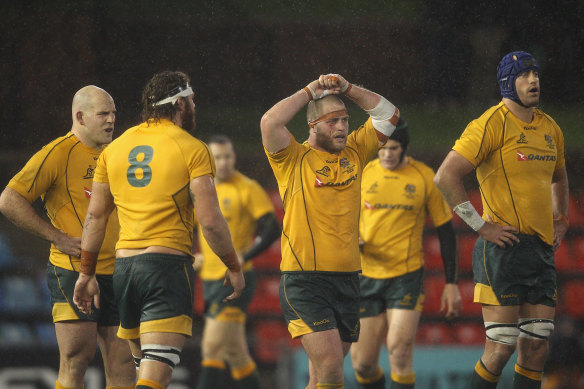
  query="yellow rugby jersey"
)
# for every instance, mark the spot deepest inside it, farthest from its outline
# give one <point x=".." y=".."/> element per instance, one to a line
<point x="61" y="174"/>
<point x="149" y="169"/>
<point x="394" y="207"/>
<point x="514" y="164"/>
<point x="321" y="194"/>
<point x="243" y="201"/>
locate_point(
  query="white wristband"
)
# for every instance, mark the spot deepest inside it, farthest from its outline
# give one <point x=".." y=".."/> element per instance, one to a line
<point x="469" y="214"/>
<point x="383" y="116"/>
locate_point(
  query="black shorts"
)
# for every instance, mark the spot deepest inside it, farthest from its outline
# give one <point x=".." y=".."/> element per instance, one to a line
<point x="155" y="293"/>
<point x="214" y="292"/>
<point x="401" y="292"/>
<point x="314" y="302"/>
<point x="61" y="283"/>
<point x="522" y="273"/>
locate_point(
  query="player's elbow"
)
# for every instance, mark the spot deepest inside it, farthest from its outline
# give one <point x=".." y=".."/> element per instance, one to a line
<point x="439" y="178"/>
<point x="266" y="124"/>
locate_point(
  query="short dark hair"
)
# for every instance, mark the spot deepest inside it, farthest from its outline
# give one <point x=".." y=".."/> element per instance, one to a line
<point x="219" y="139"/>
<point x="157" y="89"/>
<point x="401" y="134"/>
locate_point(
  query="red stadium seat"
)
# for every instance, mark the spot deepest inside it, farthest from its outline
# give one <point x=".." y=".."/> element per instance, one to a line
<point x="564" y="257"/>
<point x="432" y="257"/>
<point x="571" y="255"/>
<point x="469" y="333"/>
<point x="271" y="340"/>
<point x="469" y="308"/>
<point x="576" y="210"/>
<point x="266" y="298"/>
<point x="433" y="287"/>
<point x="436" y="333"/>
<point x="199" y="305"/>
<point x="571" y="293"/>
<point x="269" y="259"/>
<point x="466" y="243"/>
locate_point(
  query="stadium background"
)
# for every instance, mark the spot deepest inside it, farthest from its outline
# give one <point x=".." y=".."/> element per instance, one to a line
<point x="436" y="60"/>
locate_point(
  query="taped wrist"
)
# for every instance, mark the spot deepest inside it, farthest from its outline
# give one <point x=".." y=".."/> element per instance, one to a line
<point x="88" y="262"/>
<point x="384" y="116"/>
<point x="309" y="92"/>
<point x="231" y="260"/>
<point x="469" y="214"/>
<point x="346" y="88"/>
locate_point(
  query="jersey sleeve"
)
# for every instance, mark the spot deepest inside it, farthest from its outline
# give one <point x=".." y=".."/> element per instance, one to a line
<point x="560" y="147"/>
<point x="258" y="202"/>
<point x="100" y="174"/>
<point x="476" y="142"/>
<point x="437" y="207"/>
<point x="283" y="162"/>
<point x="38" y="175"/>
<point x="199" y="160"/>
<point x="364" y="140"/>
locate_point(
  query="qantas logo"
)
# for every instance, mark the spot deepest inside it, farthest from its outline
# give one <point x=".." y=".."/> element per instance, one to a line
<point x="87" y="192"/>
<point x="521" y="156"/>
<point x="405" y="207"/>
<point x="535" y="157"/>
<point x="318" y="182"/>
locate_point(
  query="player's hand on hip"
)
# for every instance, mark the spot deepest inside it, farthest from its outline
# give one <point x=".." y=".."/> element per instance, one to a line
<point x="69" y="245"/>
<point x="500" y="235"/>
<point x="86" y="291"/>
<point x="236" y="280"/>
<point x="451" y="301"/>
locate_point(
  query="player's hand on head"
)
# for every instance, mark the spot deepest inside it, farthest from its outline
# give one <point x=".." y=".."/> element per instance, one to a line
<point x="333" y="81"/>
<point x="86" y="291"/>
<point x="236" y="280"/>
<point x="69" y="245"/>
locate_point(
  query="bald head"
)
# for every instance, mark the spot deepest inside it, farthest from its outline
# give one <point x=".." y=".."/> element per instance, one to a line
<point x="317" y="108"/>
<point x="94" y="114"/>
<point x="86" y="98"/>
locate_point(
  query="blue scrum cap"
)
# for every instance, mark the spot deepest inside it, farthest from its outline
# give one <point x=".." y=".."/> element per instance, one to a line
<point x="511" y="66"/>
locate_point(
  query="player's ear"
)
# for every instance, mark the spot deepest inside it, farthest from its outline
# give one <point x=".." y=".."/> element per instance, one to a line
<point x="180" y="103"/>
<point x="79" y="117"/>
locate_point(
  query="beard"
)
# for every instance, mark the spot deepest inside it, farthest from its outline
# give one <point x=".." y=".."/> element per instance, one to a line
<point x="189" y="123"/>
<point x="326" y="143"/>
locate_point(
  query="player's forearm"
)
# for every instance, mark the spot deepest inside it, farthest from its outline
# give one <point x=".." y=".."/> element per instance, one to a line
<point x="218" y="237"/>
<point x="19" y="211"/>
<point x="451" y="187"/>
<point x="268" y="231"/>
<point x="560" y="193"/>
<point x="93" y="232"/>
<point x="364" y="98"/>
<point x="448" y="250"/>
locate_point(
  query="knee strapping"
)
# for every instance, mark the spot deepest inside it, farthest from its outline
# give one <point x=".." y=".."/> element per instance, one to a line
<point x="504" y="333"/>
<point x="137" y="361"/>
<point x="161" y="353"/>
<point x="536" y="328"/>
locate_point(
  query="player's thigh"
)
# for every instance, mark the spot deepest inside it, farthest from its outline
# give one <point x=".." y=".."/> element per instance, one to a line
<point x="111" y="346"/>
<point x="538" y="311"/>
<point x="323" y="347"/>
<point x="403" y="326"/>
<point x="500" y="314"/>
<point x="76" y="339"/>
<point x="366" y="350"/>
<point x="223" y="335"/>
